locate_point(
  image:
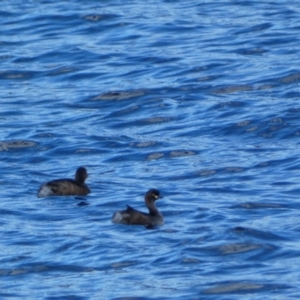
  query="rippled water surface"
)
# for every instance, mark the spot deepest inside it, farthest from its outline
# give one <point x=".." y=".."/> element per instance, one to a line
<point x="199" y="99"/>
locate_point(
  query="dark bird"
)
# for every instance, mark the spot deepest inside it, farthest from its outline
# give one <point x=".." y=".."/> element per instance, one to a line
<point x="131" y="216"/>
<point x="66" y="187"/>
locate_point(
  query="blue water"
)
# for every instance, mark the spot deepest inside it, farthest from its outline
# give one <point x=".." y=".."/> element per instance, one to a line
<point x="199" y="99"/>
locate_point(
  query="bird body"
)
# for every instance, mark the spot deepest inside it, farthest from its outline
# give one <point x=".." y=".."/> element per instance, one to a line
<point x="131" y="216"/>
<point x="66" y="186"/>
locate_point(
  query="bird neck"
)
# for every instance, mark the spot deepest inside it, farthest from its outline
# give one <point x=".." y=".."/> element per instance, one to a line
<point x="152" y="207"/>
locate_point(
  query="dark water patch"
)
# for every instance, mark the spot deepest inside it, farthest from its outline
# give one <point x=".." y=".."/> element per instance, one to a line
<point x="205" y="173"/>
<point x="62" y="70"/>
<point x="123" y="264"/>
<point x="181" y="153"/>
<point x="63" y="248"/>
<point x="5" y="57"/>
<point x="256" y="28"/>
<point x="83" y="203"/>
<point x="152" y="60"/>
<point x="14" y="259"/>
<point x="67" y="150"/>
<point x="153" y="120"/>
<point x="60" y="56"/>
<point x="244" y="288"/>
<point x="283" y="183"/>
<point x="138" y="298"/>
<point x="234" y="104"/>
<point x="271" y="128"/>
<point x="293" y="110"/>
<point x="232" y="89"/>
<point x="7" y="13"/>
<point x="18" y="75"/>
<point x="4" y="211"/>
<point x="238" y="248"/>
<point x="259" y="234"/>
<point x="47" y="19"/>
<point x="67" y="297"/>
<point x="276" y="162"/>
<point x="144" y="144"/>
<point x="145" y="122"/>
<point x="251" y="51"/>
<point x="248" y="249"/>
<point x="260" y="205"/>
<point x="18" y="144"/>
<point x="126" y="111"/>
<point x="292" y="78"/>
<point x="98" y="17"/>
<point x="155" y="156"/>
<point x="119" y="95"/>
<point x="10" y="295"/>
<point x="190" y="260"/>
<point x="235" y="170"/>
<point x="48" y="268"/>
<point x="165" y="260"/>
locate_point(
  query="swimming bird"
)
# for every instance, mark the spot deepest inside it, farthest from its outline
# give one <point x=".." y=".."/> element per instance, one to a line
<point x="131" y="216"/>
<point x="66" y="187"/>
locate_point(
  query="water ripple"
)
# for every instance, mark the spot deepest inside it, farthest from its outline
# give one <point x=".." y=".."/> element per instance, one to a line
<point x="197" y="99"/>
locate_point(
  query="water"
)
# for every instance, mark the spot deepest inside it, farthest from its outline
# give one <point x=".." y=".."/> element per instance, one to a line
<point x="199" y="99"/>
